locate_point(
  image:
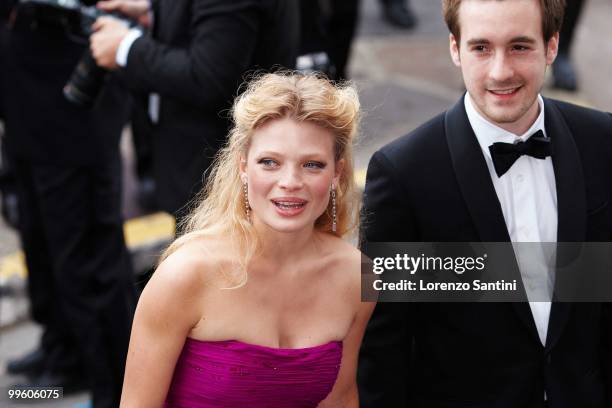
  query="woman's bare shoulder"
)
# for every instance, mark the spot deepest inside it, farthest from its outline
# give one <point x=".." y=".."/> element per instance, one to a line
<point x="341" y="252"/>
<point x="341" y="262"/>
<point x="172" y="301"/>
<point x="196" y="265"/>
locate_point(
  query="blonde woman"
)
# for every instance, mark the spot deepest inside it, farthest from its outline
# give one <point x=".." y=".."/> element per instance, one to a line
<point x="258" y="304"/>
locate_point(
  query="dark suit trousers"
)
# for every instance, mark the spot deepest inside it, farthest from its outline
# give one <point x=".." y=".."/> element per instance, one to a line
<point x="80" y="277"/>
<point x="570" y="21"/>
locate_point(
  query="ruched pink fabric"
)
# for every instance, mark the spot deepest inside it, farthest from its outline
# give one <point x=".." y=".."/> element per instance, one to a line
<point x="230" y="373"/>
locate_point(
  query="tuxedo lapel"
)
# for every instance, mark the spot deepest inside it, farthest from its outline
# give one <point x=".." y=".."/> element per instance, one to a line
<point x="571" y="191"/>
<point x="473" y="176"/>
<point x="478" y="191"/>
<point x="571" y="201"/>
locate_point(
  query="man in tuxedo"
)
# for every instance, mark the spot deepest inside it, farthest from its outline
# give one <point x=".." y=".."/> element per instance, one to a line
<point x="558" y="189"/>
<point x="68" y="174"/>
<point x="192" y="66"/>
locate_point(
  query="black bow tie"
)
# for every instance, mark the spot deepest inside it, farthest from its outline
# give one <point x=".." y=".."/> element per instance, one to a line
<point x="505" y="154"/>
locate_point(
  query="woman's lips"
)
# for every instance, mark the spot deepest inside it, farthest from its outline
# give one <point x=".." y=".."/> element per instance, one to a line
<point x="289" y="206"/>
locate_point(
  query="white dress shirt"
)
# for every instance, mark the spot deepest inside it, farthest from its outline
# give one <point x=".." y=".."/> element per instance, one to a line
<point x="125" y="45"/>
<point x="528" y="199"/>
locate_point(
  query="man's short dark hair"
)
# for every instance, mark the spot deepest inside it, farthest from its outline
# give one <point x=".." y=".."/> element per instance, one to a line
<point x="552" y="16"/>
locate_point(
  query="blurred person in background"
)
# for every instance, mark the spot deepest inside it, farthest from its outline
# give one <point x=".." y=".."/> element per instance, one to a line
<point x="342" y="25"/>
<point x="398" y="13"/>
<point x="4" y="16"/>
<point x="67" y="168"/>
<point x="328" y="28"/>
<point x="314" y="46"/>
<point x="8" y="196"/>
<point x="327" y="31"/>
<point x="141" y="127"/>
<point x="191" y="62"/>
<point x="258" y="303"/>
<point x="564" y="73"/>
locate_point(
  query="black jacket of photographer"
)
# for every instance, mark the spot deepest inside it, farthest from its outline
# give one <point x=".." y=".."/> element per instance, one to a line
<point x="46" y="128"/>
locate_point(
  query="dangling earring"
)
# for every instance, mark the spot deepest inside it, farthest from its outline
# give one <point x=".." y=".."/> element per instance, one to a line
<point x="247" y="206"/>
<point x="334" y="218"/>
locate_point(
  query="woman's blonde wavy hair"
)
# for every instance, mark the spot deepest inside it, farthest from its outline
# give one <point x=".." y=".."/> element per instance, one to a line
<point x="219" y="209"/>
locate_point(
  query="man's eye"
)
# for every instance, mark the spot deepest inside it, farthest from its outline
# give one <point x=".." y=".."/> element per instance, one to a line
<point x="520" y="48"/>
<point x="268" y="162"/>
<point x="479" y="48"/>
<point x="314" y="165"/>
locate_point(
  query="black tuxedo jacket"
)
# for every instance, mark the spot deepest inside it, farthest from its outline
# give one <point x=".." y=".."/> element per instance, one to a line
<point x="195" y="59"/>
<point x="433" y="185"/>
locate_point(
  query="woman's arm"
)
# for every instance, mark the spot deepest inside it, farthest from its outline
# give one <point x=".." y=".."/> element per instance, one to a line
<point x="167" y="310"/>
<point x="344" y="393"/>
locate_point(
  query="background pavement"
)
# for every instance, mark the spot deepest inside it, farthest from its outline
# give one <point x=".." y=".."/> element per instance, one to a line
<point x="404" y="79"/>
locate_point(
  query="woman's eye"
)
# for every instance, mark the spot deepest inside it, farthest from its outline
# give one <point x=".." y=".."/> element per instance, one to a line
<point x="314" y="165"/>
<point x="268" y="162"/>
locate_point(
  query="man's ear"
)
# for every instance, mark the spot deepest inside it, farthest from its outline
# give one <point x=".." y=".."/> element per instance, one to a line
<point x="552" y="48"/>
<point x="454" y="50"/>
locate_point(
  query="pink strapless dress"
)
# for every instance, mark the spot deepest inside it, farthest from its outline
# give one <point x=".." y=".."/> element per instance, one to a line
<point x="230" y="373"/>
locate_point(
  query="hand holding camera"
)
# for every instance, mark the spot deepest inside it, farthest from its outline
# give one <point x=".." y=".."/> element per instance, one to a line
<point x="109" y="32"/>
<point x="81" y="21"/>
<point x="104" y="42"/>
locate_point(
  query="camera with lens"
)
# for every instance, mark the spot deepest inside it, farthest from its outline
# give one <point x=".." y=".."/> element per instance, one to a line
<point x="77" y="17"/>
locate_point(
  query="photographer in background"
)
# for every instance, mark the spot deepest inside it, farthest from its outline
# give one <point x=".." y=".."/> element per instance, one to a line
<point x="564" y="73"/>
<point x="327" y="31"/>
<point x="398" y="13"/>
<point x="191" y="65"/>
<point x="67" y="167"/>
<point x="8" y="201"/>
